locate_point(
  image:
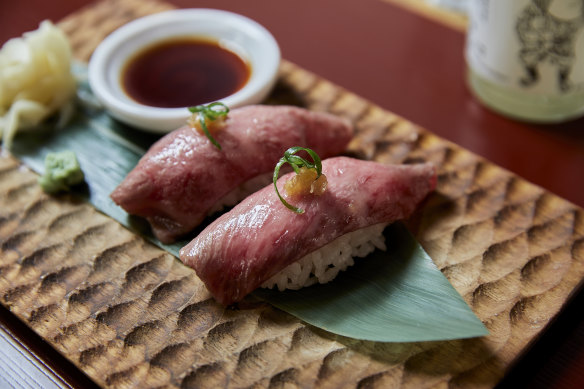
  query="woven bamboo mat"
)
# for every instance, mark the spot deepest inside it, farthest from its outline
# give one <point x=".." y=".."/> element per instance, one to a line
<point x="131" y="315"/>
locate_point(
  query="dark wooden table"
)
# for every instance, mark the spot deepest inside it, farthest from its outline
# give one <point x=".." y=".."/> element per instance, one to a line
<point x="413" y="66"/>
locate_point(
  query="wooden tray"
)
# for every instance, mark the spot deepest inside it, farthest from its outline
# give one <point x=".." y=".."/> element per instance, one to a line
<point x="129" y="314"/>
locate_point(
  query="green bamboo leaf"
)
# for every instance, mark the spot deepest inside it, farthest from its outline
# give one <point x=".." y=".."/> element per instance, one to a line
<point x="393" y="296"/>
<point x="106" y="150"/>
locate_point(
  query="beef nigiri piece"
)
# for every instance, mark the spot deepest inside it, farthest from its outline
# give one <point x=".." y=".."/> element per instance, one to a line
<point x="184" y="176"/>
<point x="258" y="238"/>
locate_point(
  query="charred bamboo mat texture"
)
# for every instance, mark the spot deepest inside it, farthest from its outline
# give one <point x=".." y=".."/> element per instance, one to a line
<point x="131" y="315"/>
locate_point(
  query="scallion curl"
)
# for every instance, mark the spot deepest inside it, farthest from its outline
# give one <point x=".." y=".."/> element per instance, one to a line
<point x="296" y="162"/>
<point x="210" y="112"/>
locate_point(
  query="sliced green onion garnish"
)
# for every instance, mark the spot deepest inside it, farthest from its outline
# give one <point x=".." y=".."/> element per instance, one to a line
<point x="210" y="112"/>
<point x="296" y="162"/>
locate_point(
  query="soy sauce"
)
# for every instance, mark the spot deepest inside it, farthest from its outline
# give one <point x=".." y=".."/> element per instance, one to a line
<point x="183" y="72"/>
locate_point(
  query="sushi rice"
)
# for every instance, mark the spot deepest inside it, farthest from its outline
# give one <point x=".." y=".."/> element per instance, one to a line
<point x="236" y="195"/>
<point x="239" y="193"/>
<point x="323" y="265"/>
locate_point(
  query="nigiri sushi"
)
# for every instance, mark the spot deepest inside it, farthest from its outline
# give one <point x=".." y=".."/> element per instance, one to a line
<point x="261" y="238"/>
<point x="185" y="176"/>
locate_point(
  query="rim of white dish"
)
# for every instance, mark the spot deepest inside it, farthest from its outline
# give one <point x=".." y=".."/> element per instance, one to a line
<point x="107" y="61"/>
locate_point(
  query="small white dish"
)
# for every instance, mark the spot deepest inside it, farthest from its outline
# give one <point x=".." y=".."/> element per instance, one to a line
<point x="247" y="38"/>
